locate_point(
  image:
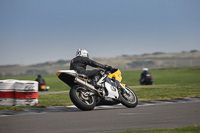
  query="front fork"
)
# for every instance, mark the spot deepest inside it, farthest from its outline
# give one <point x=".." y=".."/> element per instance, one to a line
<point x="123" y="87"/>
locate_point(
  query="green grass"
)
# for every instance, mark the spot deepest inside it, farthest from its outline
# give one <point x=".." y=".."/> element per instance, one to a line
<point x="169" y="84"/>
<point x="59" y="99"/>
<point x="166" y="92"/>
<point x="174" y="130"/>
<point x="171" y="76"/>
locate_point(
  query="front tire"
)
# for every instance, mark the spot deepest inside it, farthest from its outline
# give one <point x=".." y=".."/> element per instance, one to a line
<point x="81" y="98"/>
<point x="128" y="98"/>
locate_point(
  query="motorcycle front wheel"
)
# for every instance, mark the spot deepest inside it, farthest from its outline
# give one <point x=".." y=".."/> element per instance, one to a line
<point x="128" y="98"/>
<point x="82" y="99"/>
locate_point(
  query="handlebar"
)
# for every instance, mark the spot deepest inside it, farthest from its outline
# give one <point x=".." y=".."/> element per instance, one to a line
<point x="111" y="71"/>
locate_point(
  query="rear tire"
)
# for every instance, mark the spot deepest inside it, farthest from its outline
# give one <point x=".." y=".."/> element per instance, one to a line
<point x="128" y="99"/>
<point x="81" y="98"/>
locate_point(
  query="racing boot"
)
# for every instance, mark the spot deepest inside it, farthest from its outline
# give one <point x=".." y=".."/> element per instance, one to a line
<point x="94" y="81"/>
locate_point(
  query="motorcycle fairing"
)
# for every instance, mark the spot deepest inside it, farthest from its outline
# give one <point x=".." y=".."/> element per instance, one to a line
<point x="116" y="74"/>
<point x="67" y="76"/>
<point x="112" y="91"/>
<point x="113" y="82"/>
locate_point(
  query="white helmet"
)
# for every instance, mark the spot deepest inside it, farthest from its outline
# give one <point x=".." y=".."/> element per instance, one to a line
<point x="145" y="69"/>
<point x="82" y="52"/>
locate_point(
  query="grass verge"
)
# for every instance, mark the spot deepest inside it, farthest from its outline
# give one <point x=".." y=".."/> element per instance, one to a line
<point x="171" y="130"/>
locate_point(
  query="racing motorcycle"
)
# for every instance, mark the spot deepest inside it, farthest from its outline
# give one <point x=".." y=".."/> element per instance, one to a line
<point x="85" y="96"/>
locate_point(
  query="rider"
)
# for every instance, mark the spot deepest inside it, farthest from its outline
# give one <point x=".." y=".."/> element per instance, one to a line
<point x="40" y="81"/>
<point x="80" y="62"/>
<point x="146" y="78"/>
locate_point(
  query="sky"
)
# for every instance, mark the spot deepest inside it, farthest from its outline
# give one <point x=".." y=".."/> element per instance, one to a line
<point x="36" y="31"/>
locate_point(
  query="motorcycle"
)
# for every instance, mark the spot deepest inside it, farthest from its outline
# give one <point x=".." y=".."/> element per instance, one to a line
<point x="43" y="87"/>
<point x="85" y="96"/>
<point x="146" y="80"/>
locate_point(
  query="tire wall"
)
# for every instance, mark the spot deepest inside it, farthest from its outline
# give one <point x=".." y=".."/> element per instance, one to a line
<point x="18" y="93"/>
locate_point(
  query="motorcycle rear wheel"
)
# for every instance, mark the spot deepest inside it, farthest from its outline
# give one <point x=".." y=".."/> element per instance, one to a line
<point x="81" y="98"/>
<point x="128" y="98"/>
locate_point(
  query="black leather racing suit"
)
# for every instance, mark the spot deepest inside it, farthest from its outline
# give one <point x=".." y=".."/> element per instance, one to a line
<point x="80" y="63"/>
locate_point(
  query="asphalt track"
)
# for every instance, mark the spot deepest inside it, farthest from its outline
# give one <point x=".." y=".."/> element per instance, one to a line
<point x="150" y="115"/>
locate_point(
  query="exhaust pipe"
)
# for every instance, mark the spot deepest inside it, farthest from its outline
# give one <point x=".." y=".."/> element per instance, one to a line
<point x="89" y="86"/>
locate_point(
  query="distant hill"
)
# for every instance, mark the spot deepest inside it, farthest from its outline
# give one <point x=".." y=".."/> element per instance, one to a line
<point x="124" y="62"/>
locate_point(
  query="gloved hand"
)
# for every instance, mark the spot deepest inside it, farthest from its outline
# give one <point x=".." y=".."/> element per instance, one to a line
<point x="108" y="67"/>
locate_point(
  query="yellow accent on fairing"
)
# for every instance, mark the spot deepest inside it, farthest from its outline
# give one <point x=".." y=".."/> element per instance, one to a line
<point x="116" y="75"/>
<point x="58" y="73"/>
